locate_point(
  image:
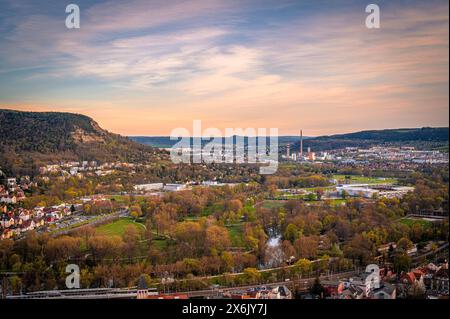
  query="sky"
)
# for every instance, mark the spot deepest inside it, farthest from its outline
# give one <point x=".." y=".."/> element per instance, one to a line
<point x="145" y="67"/>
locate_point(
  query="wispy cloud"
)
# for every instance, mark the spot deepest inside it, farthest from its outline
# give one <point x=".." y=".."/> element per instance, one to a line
<point x="259" y="63"/>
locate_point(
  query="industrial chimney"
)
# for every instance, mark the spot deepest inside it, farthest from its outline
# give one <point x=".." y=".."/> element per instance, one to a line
<point x="301" y="146"/>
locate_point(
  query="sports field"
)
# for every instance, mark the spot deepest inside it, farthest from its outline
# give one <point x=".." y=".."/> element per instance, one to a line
<point x="118" y="227"/>
<point x="357" y="179"/>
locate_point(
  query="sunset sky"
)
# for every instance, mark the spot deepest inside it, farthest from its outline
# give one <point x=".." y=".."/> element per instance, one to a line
<point x="145" y="67"/>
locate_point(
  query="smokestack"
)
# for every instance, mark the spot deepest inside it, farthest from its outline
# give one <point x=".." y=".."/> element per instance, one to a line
<point x="301" y="145"/>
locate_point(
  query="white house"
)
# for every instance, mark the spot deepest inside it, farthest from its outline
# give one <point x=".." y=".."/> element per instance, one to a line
<point x="39" y="211"/>
<point x="54" y="215"/>
<point x="6" y="221"/>
<point x="11" y="181"/>
<point x="24" y="215"/>
<point x="369" y="280"/>
<point x="8" y="199"/>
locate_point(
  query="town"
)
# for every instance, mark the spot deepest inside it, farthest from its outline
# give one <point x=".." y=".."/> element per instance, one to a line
<point x="236" y="158"/>
<point x="123" y="195"/>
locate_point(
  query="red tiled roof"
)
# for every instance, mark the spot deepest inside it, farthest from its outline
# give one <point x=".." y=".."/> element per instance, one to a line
<point x="417" y="273"/>
<point x="411" y="277"/>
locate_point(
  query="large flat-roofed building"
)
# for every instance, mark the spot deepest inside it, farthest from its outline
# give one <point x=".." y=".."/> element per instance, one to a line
<point x="148" y="187"/>
<point x="368" y="191"/>
<point x="357" y="190"/>
<point x="397" y="191"/>
<point x="174" y="187"/>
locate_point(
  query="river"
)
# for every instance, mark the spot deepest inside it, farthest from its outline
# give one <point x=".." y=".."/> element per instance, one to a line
<point x="274" y="255"/>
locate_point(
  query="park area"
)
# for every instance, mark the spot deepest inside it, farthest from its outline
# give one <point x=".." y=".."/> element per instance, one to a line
<point x="118" y="227"/>
<point x="410" y="222"/>
<point x="358" y="179"/>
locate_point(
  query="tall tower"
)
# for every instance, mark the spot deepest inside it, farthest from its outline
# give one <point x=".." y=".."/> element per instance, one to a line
<point x="288" y="151"/>
<point x="301" y="145"/>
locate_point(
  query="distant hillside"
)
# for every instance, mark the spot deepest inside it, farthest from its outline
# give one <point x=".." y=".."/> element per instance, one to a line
<point x="165" y="142"/>
<point x="422" y="138"/>
<point x="154" y="141"/>
<point x="437" y="134"/>
<point x="29" y="138"/>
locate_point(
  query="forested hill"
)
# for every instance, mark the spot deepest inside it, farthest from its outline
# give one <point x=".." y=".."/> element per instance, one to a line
<point x="29" y="138"/>
<point x="422" y="138"/>
<point x="166" y="142"/>
<point x="398" y="135"/>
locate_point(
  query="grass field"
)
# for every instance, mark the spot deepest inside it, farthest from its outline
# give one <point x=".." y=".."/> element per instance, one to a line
<point x="125" y="198"/>
<point x="289" y="196"/>
<point x="236" y="235"/>
<point x="118" y="227"/>
<point x="411" y="221"/>
<point x="356" y="179"/>
<point x="315" y="189"/>
<point x="273" y="203"/>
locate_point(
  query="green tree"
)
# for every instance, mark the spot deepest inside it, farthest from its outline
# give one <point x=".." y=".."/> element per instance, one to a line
<point x="303" y="266"/>
<point x="252" y="275"/>
<point x="291" y="233"/>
